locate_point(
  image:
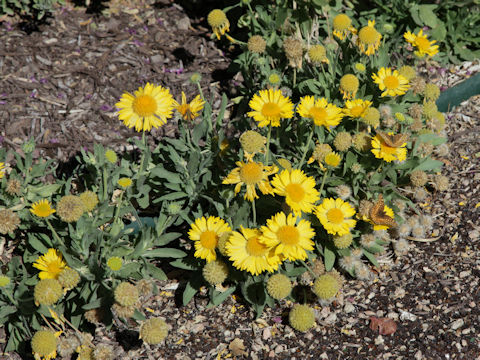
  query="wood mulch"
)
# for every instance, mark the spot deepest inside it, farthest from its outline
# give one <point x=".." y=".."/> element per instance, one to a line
<point x="60" y="85"/>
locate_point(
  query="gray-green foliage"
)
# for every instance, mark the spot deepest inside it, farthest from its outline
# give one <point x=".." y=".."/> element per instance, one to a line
<point x="37" y="8"/>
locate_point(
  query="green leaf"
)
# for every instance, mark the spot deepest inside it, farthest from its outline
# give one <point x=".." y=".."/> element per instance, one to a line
<point x="433" y="139"/>
<point x="7" y="310"/>
<point x="95" y="304"/>
<point x="156" y="272"/>
<point x="165" y="253"/>
<point x="166" y="238"/>
<point x="427" y="15"/>
<point x="193" y="285"/>
<point x="370" y="257"/>
<point x="185" y="264"/>
<point x="455" y="95"/>
<point x="220" y="297"/>
<point x="165" y="174"/>
<point x="429" y="164"/>
<point x="172" y="196"/>
<point x="329" y="257"/>
<point x="128" y="269"/>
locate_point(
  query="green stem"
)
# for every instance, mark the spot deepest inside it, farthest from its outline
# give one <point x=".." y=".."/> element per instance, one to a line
<point x="305" y="150"/>
<point x="54" y="233"/>
<point x="200" y="90"/>
<point x="294" y="77"/>
<point x="268" y="144"/>
<point x="105" y="184"/>
<point x="323" y="182"/>
<point x="117" y="210"/>
<point x="254" y="213"/>
<point x="143" y="152"/>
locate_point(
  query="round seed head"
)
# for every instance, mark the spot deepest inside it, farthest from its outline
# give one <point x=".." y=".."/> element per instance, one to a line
<point x="70" y="208"/>
<point x="44" y="343"/>
<point x="342" y="141"/>
<point x="47" y="291"/>
<point x="418" y="178"/>
<point x="279" y="286"/>
<point x="343" y="242"/>
<point x="153" y="331"/>
<point x="301" y="317"/>
<point x="215" y="272"/>
<point x="256" y="44"/>
<point x="9" y="221"/>
<point x="89" y="200"/>
<point x="126" y="294"/>
<point x="68" y="278"/>
<point x="251" y="141"/>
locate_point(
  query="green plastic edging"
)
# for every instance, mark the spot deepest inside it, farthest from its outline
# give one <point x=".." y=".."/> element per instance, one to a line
<point x="457" y="94"/>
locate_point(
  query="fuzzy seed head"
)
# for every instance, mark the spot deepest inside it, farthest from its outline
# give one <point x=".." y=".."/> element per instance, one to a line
<point x="418" y="231"/>
<point x="442" y="150"/>
<point x="252" y="142"/>
<point x="47" y="291"/>
<point x="441" y="182"/>
<point x="343" y="191"/>
<point x="349" y="83"/>
<point x="326" y="286"/>
<point x="222" y="241"/>
<point x="68" y="278"/>
<point x="4" y="280"/>
<point x="9" y="221"/>
<point x="407" y="72"/>
<point x="341" y="22"/>
<point x="89" y="200"/>
<point x="348" y="263"/>
<point x="418" y="178"/>
<point x="342" y="141"/>
<point x="401" y="246"/>
<point x="361" y="141"/>
<point x="215" y="272"/>
<point x="285" y="164"/>
<point x="371" y="117"/>
<point x="144" y="287"/>
<point x="320" y="151"/>
<point x="123" y="311"/>
<point x="431" y="92"/>
<point x="14" y="187"/>
<point x="356" y="168"/>
<point x="362" y="271"/>
<point x="126" y="294"/>
<point x="66" y="345"/>
<point x="343" y="242"/>
<point x="301" y="317"/>
<point x="279" y="286"/>
<point x="364" y="208"/>
<point x="430" y="109"/>
<point x="385" y="111"/>
<point x="417" y="85"/>
<point x="294" y="51"/>
<point x="103" y="352"/>
<point x="416" y="111"/>
<point x="70" y="208"/>
<point x="317" y="54"/>
<point x="153" y="331"/>
<point x="44" y="343"/>
<point x="404" y="230"/>
<point x="115" y="263"/>
<point x="94" y="316"/>
<point x="426" y="221"/>
<point x="217" y="18"/>
<point x="367" y="240"/>
<point x="256" y="44"/>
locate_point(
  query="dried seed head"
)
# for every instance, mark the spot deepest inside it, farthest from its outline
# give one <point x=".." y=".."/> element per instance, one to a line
<point x="94" y="316"/>
<point x="47" y="291"/>
<point x="256" y="44"/>
<point x="215" y="272"/>
<point x="153" y="331"/>
<point x="103" y="352"/>
<point x="294" y="51"/>
<point x="126" y="294"/>
<point x="431" y="92"/>
<point x="44" y="343"/>
<point x="362" y="141"/>
<point x="371" y="117"/>
<point x="364" y="208"/>
<point x="301" y="317"/>
<point x="9" y="221"/>
<point x="89" y="200"/>
<point x="144" y="287"/>
<point x="441" y="183"/>
<point x="14" y="187"/>
<point x="326" y="286"/>
<point x="385" y="111"/>
<point x="343" y="242"/>
<point x="362" y="271"/>
<point x="418" y="178"/>
<point x="70" y="208"/>
<point x="407" y="72"/>
<point x="342" y="141"/>
<point x="123" y="311"/>
<point x="279" y="286"/>
<point x="317" y="54"/>
<point x="252" y="142"/>
<point x="69" y="278"/>
<point x="67" y="345"/>
<point x="343" y="191"/>
<point x="320" y="151"/>
<point x="417" y="85"/>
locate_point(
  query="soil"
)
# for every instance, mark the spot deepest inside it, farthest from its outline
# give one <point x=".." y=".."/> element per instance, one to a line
<point x="59" y="85"/>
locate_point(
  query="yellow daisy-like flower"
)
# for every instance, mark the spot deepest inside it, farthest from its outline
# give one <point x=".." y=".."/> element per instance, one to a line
<point x="290" y="238"/>
<point x="269" y="106"/>
<point x="388" y="153"/>
<point x="124" y="182"/>
<point x="334" y="215"/>
<point x="369" y="38"/>
<point x="50" y="264"/>
<point x="2" y="171"/>
<point x="356" y="108"/>
<point x="190" y="111"/>
<point x="251" y="174"/>
<point x="349" y="86"/>
<point x="342" y="26"/>
<point x="219" y="22"/>
<point x="320" y="111"/>
<point x="424" y="46"/>
<point x="42" y="208"/>
<point x="205" y="233"/>
<point x="148" y="107"/>
<point x="390" y="82"/>
<point x="298" y="189"/>
<point x="247" y="252"/>
<point x="333" y="159"/>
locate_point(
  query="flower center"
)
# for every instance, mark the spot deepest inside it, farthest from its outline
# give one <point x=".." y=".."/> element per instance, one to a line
<point x="341" y="22"/>
<point x="251" y="173"/>
<point x="356" y="111"/>
<point x="388" y="149"/>
<point x="335" y="216"/>
<point x="53" y="268"/>
<point x="144" y="105"/>
<point x="270" y="110"/>
<point x="255" y="248"/>
<point x="422" y="43"/>
<point x="288" y="235"/>
<point x="209" y="239"/>
<point x="295" y="192"/>
<point x="368" y="35"/>
<point x="391" y="82"/>
<point x="319" y="115"/>
<point x="43" y="209"/>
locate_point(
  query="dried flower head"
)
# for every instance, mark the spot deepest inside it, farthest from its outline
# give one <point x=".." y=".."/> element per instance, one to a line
<point x="418" y="232"/>
<point x="153" y="331"/>
<point x="47" y="292"/>
<point x="318" y="54"/>
<point x="441" y="182"/>
<point x="356" y="168"/>
<point x="145" y="287"/>
<point x="362" y="271"/>
<point x="215" y="272"/>
<point x="70" y="208"/>
<point x="14" y="187"/>
<point x="256" y="44"/>
<point x="103" y="352"/>
<point x="44" y="344"/>
<point x="371" y="117"/>
<point x="94" y="316"/>
<point x="368" y="240"/>
<point x="301" y="317"/>
<point x="279" y="286"/>
<point x="67" y="345"/>
<point x="403" y="229"/>
<point x="89" y="200"/>
<point x="385" y="111"/>
<point x="69" y="278"/>
<point x="342" y="141"/>
<point x="401" y="246"/>
<point x="320" y="151"/>
<point x="362" y="141"/>
<point x="418" y="178"/>
<point x="9" y="221"/>
<point x="364" y="208"/>
<point x="294" y="51"/>
<point x="407" y="72"/>
<point x="431" y="92"/>
<point x="348" y="263"/>
<point x="417" y="85"/>
<point x="126" y="294"/>
<point x="343" y="242"/>
<point x="123" y="311"/>
<point x="326" y="286"/>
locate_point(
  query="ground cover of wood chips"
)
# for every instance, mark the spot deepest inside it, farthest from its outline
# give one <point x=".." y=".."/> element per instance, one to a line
<point x="60" y="84"/>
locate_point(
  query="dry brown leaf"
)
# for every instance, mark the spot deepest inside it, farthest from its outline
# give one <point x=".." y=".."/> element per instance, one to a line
<point x="237" y="348"/>
<point x="384" y="326"/>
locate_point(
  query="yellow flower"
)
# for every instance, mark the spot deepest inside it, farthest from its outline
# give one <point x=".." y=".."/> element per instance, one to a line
<point x="320" y="111"/>
<point x="149" y="107"/>
<point x="205" y="233"/>
<point x="332" y="159"/>
<point x="50" y="264"/>
<point x="269" y="106"/>
<point x="318" y="54"/>
<point x="115" y="263"/>
<point x="424" y="47"/>
<point x="2" y="169"/>
<point x="124" y="182"/>
<point x="251" y="174"/>
<point x="388" y="153"/>
<point x="219" y="22"/>
<point x="334" y="215"/>
<point x="298" y="189"/>
<point x="248" y="253"/>
<point x="190" y="111"/>
<point x="369" y="38"/>
<point x="349" y="86"/>
<point x="290" y="236"/>
<point x="356" y="108"/>
<point x="390" y="82"/>
<point x="42" y="208"/>
<point x="342" y="26"/>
